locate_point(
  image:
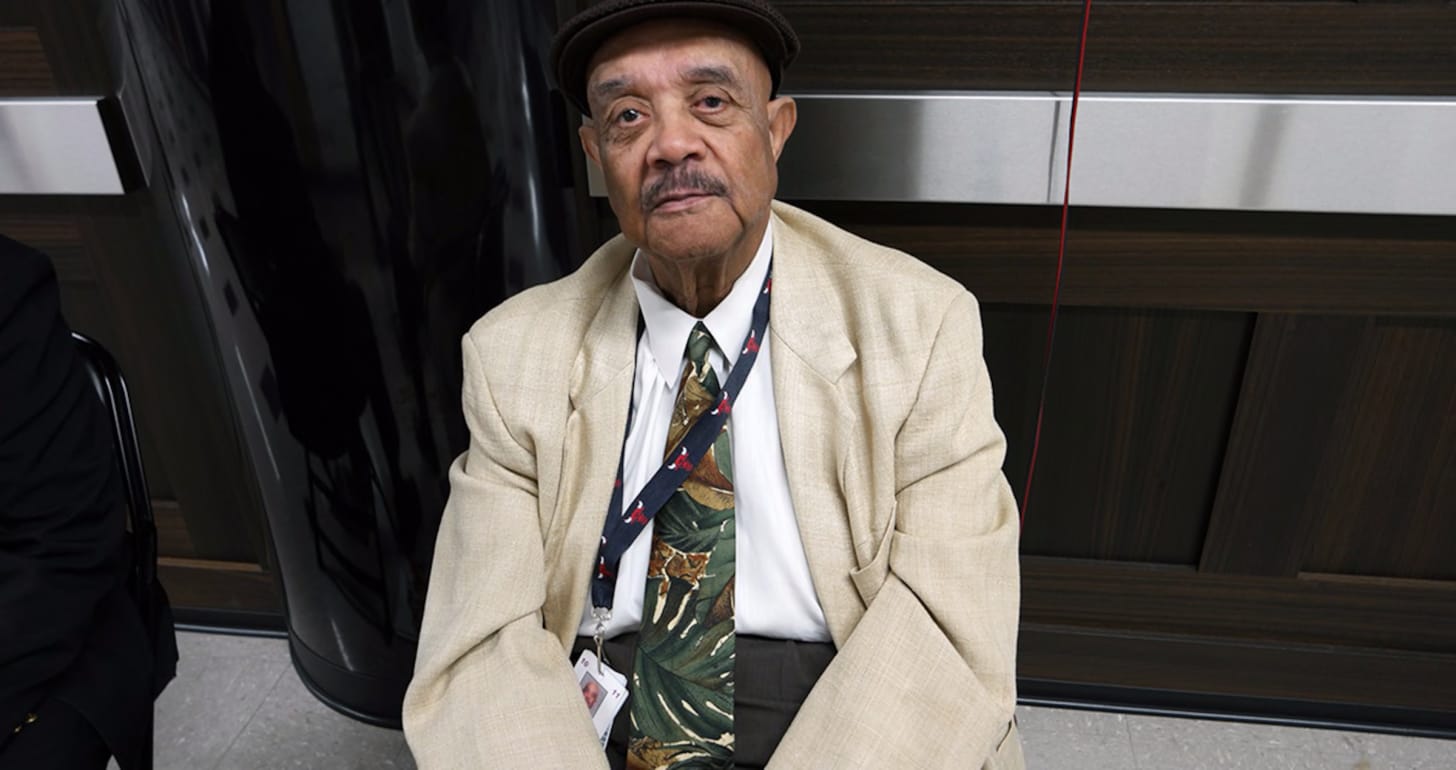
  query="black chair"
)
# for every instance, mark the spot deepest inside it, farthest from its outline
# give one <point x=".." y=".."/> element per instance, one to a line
<point x="150" y="599"/>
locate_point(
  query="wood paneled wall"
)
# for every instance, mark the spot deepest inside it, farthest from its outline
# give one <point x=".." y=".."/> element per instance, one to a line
<point x="23" y="67"/>
<point x="1273" y="490"/>
<point x="1247" y="481"/>
<point x="1304" y="46"/>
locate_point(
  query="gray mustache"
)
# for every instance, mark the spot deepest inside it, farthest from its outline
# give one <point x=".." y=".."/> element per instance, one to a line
<point x="684" y="181"/>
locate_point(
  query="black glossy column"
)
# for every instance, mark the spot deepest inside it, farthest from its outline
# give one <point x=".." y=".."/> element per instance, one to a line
<point x="355" y="183"/>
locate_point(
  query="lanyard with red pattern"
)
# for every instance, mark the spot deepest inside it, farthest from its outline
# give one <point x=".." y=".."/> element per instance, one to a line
<point x="625" y="523"/>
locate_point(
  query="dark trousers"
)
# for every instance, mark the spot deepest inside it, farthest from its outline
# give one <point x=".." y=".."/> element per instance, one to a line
<point x="58" y="739"/>
<point x="772" y="677"/>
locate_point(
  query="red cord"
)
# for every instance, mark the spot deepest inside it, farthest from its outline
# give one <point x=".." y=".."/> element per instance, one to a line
<point x="1046" y="360"/>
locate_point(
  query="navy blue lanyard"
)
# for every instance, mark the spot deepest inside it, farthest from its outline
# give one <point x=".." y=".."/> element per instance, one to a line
<point x="624" y="524"/>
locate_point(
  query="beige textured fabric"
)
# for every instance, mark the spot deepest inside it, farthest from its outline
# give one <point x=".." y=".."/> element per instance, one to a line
<point x="894" y="465"/>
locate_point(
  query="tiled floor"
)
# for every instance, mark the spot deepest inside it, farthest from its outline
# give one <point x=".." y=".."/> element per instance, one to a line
<point x="236" y="703"/>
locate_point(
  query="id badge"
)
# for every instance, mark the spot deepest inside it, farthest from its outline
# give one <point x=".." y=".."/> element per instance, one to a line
<point x="604" y="690"/>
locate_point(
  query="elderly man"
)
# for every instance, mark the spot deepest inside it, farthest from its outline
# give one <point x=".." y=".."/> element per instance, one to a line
<point x="733" y="398"/>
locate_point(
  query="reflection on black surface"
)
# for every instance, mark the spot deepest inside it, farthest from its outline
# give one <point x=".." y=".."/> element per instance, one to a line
<point x="383" y="173"/>
<point x="325" y="363"/>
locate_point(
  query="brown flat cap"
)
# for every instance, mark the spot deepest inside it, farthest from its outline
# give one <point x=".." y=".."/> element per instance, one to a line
<point x="581" y="36"/>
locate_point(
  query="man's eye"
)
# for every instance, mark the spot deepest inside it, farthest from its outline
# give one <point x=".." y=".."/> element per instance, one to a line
<point x="628" y="115"/>
<point x="712" y="102"/>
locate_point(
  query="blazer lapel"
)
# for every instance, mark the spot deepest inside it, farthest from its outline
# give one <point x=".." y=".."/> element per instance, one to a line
<point x="811" y="352"/>
<point x="600" y="393"/>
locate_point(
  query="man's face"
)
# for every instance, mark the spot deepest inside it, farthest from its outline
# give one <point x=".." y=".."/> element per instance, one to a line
<point x="687" y="138"/>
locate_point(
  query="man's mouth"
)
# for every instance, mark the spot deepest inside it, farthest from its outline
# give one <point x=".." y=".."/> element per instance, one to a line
<point x="679" y="200"/>
<point x="683" y="189"/>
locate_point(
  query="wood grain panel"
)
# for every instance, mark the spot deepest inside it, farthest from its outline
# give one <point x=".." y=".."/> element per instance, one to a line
<point x="54" y="234"/>
<point x="1385" y="501"/>
<point x="1306" y="674"/>
<point x="1364" y="48"/>
<point x="1138" y="408"/>
<point x="24" y="70"/>
<point x="1296" y="373"/>
<point x="1409" y="615"/>
<point x="214" y="585"/>
<point x="1176" y="259"/>
<point x="78" y="54"/>
<point x="172" y="537"/>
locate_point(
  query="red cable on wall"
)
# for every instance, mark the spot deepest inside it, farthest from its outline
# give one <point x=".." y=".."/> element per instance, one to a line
<point x="1046" y="359"/>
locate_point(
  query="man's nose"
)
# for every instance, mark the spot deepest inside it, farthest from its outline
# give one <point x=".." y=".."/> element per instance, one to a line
<point x="678" y="139"/>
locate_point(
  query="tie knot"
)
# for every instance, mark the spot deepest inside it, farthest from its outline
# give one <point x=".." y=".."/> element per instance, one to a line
<point x="700" y="341"/>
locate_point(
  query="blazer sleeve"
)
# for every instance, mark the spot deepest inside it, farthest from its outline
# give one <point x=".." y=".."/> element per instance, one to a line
<point x="927" y="677"/>
<point x="492" y="687"/>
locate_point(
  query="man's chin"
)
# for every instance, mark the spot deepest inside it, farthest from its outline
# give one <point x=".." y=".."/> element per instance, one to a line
<point x="690" y="236"/>
<point x="688" y="249"/>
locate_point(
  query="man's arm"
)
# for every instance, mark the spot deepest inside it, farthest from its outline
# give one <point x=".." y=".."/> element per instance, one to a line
<point x="927" y="677"/>
<point x="61" y="522"/>
<point x="492" y="687"/>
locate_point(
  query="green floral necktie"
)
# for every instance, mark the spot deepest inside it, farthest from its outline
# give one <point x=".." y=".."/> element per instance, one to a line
<point x="682" y="680"/>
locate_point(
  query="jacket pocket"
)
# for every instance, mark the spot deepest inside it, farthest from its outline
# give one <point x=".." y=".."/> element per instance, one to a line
<point x="868" y="578"/>
<point x="1008" y="754"/>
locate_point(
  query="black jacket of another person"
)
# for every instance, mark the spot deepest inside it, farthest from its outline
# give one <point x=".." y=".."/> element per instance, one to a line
<point x="69" y="629"/>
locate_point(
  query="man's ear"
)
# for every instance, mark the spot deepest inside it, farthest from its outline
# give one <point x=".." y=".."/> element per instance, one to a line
<point x="783" y="115"/>
<point x="588" y="134"/>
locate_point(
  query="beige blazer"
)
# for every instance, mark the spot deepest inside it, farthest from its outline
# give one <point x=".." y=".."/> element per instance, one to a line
<point x="894" y="468"/>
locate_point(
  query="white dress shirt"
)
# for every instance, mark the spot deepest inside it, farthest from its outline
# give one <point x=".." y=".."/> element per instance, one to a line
<point x="774" y="593"/>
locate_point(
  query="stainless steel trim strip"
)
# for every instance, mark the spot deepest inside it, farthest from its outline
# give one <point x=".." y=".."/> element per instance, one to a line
<point x="56" y="146"/>
<point x="1368" y="155"/>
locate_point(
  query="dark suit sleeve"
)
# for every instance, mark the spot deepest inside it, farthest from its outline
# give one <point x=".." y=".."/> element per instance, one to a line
<point x="61" y="525"/>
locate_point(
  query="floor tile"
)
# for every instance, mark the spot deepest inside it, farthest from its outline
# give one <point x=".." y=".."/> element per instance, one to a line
<point x="405" y="759"/>
<point x="1277" y="759"/>
<point x="1160" y="742"/>
<point x="1050" y="721"/>
<point x="237" y="704"/>
<point x="1177" y="755"/>
<point x="1149" y="732"/>
<point x="191" y="644"/>
<point x="292" y="729"/>
<point x="1393" y="751"/>
<point x="210" y="702"/>
<point x="1071" y="749"/>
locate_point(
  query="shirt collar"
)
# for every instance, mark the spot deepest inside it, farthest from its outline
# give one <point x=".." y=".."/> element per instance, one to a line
<point x="668" y="325"/>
